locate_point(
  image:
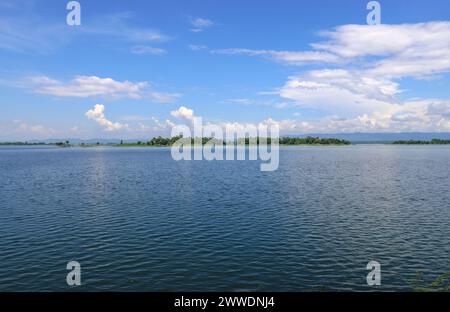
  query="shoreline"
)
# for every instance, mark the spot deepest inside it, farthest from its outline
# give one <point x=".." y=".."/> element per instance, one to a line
<point x="166" y="146"/>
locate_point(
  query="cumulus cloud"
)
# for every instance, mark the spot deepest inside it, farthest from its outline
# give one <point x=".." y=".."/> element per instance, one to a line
<point x="340" y="92"/>
<point x="187" y="114"/>
<point x="183" y="113"/>
<point x="93" y="86"/>
<point x="162" y="125"/>
<point x="395" y="117"/>
<point x="382" y="116"/>
<point x="355" y="101"/>
<point x="98" y="114"/>
<point x="418" y="115"/>
<point x="135" y="126"/>
<point x="407" y="117"/>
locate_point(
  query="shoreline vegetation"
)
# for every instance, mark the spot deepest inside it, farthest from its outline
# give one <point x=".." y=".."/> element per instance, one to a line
<point x="161" y="141"/>
<point x="167" y="142"/>
<point x="25" y="143"/>
<point x="418" y="142"/>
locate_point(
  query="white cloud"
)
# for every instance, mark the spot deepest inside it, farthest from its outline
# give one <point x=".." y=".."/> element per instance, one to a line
<point x="406" y="50"/>
<point x="288" y="57"/>
<point x="143" y="50"/>
<point x="401" y="117"/>
<point x="418" y="115"/>
<point x="88" y="86"/>
<point x="351" y="41"/>
<point x="361" y="92"/>
<point x="162" y="125"/>
<point x="98" y="114"/>
<point x="92" y="86"/>
<point x="188" y="114"/>
<point x="340" y="92"/>
<point x="405" y="65"/>
<point x="439" y="108"/>
<point x="393" y="51"/>
<point x="183" y="113"/>
<point x="200" y="24"/>
<point x="352" y="102"/>
<point x="140" y="125"/>
<point x="197" y="47"/>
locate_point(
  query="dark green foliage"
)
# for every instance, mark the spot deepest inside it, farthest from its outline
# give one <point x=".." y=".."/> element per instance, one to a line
<point x="160" y="141"/>
<point x="21" y="143"/>
<point x="312" y="141"/>
<point x="415" y="142"/>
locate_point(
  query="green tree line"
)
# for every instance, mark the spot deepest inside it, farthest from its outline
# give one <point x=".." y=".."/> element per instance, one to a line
<point x="418" y="142"/>
<point x="161" y="141"/>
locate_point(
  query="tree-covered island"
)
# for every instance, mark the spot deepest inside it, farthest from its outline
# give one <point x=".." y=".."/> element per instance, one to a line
<point x="161" y="141"/>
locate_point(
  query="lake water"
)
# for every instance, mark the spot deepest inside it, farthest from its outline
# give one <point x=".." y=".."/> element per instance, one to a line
<point x="137" y="220"/>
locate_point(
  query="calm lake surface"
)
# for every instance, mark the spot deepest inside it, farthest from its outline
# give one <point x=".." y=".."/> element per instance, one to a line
<point x="136" y="220"/>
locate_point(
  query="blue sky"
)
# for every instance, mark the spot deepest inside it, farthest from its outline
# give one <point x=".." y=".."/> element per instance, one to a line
<point x="134" y="68"/>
